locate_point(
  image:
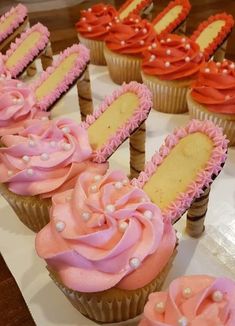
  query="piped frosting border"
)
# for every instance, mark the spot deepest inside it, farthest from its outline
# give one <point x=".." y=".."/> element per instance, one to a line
<point x="142" y="5"/>
<point x="139" y="116"/>
<point x="22" y="13"/>
<point x="19" y="67"/>
<point x="220" y="38"/>
<point x="203" y="179"/>
<point x="182" y="16"/>
<point x="79" y="66"/>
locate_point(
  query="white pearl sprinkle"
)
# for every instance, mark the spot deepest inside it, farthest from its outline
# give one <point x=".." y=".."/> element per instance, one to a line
<point x="201" y="55"/>
<point x="89" y="28"/>
<point x="66" y="146"/>
<point x="44" y="157"/>
<point x="123" y="42"/>
<point x="218" y="64"/>
<point x="187" y="292"/>
<point x="60" y="226"/>
<point x="110" y="24"/>
<point x="224" y="60"/>
<point x="32" y="143"/>
<point x="125" y="182"/>
<point x="18" y="85"/>
<point x="141" y="42"/>
<point x="117" y="20"/>
<point x="118" y="185"/>
<point x="134" y="262"/>
<point x="152" y="58"/>
<point x="145" y="31"/>
<point x="136" y="30"/>
<point x="168" y="52"/>
<point x="110" y="208"/>
<point x="217" y="296"/>
<point x="30" y="171"/>
<point x="131" y="19"/>
<point x="122" y="226"/>
<point x="227" y="97"/>
<point x="187" y="47"/>
<point x="93" y="188"/>
<point x="232" y="66"/>
<point x="86" y="216"/>
<point x="168" y="40"/>
<point x="97" y="177"/>
<point x="149" y="47"/>
<point x="14" y="100"/>
<point x="183" y="40"/>
<point x="183" y="321"/>
<point x="154" y="45"/>
<point x="187" y="59"/>
<point x="105" y="8"/>
<point x="160" y="307"/>
<point x="137" y="21"/>
<point x="26" y="158"/>
<point x="89" y="9"/>
<point x="225" y="71"/>
<point x="52" y="143"/>
<point x="162" y="41"/>
<point x="65" y="130"/>
<point x="108" y="28"/>
<point x="84" y="18"/>
<point x="167" y="64"/>
<point x="148" y="214"/>
<point x="9" y="173"/>
<point x="207" y="70"/>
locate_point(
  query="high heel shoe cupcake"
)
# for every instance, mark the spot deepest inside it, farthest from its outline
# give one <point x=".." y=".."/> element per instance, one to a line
<point x="192" y="300"/>
<point x="12" y="23"/>
<point x="48" y="155"/>
<point x="212" y="96"/>
<point x="127" y="41"/>
<point x="110" y="220"/>
<point x="94" y="25"/>
<point x="169" y="68"/>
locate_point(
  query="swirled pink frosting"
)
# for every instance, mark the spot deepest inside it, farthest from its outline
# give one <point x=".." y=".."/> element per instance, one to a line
<point x="105" y="231"/>
<point x="215" y="87"/>
<point x="46" y="157"/>
<point x="173" y="57"/>
<point x="197" y="300"/>
<point x="17" y="105"/>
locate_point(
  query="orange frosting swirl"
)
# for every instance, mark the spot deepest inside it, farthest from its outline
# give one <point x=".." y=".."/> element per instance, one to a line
<point x="215" y="87"/>
<point x="173" y="57"/>
<point x="131" y="37"/>
<point x="96" y="21"/>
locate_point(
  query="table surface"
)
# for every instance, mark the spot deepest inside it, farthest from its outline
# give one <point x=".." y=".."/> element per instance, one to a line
<point x="213" y="253"/>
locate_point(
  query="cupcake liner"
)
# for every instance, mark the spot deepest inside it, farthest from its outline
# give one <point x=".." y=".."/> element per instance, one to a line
<point x="32" y="211"/>
<point x="113" y="305"/>
<point x="96" y="50"/>
<point x="122" y="68"/>
<point x="198" y="111"/>
<point x="168" y="96"/>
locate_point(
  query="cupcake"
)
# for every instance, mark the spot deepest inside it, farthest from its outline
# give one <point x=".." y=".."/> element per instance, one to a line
<point x="197" y="300"/>
<point x="168" y="69"/>
<point x="212" y="96"/>
<point x="44" y="159"/>
<point x="106" y="246"/>
<point x="93" y="27"/>
<point x="17" y="106"/>
<point x="124" y="48"/>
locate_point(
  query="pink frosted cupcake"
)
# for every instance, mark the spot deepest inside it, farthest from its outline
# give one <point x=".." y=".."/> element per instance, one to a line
<point x="168" y="69"/>
<point x="197" y="300"/>
<point x="106" y="246"/>
<point x="212" y="96"/>
<point x="93" y="27"/>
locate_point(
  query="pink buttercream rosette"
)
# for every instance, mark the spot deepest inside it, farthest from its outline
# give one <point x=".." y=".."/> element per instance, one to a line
<point x="197" y="300"/>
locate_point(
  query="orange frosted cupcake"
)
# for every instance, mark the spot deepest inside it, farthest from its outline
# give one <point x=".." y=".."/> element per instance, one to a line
<point x="107" y="247"/>
<point x="168" y="69"/>
<point x="124" y="48"/>
<point x="212" y="96"/>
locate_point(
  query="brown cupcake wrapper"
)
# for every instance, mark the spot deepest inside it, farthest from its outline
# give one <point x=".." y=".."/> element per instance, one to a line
<point x="122" y="68"/>
<point x="96" y="50"/>
<point x="113" y="305"/>
<point x="167" y="98"/>
<point x="32" y="211"/>
<point x="197" y="111"/>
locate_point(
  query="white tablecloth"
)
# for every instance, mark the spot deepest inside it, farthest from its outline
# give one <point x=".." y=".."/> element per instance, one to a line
<point x="213" y="253"/>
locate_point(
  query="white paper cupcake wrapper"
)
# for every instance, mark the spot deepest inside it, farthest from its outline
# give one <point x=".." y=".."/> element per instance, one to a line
<point x="96" y="50"/>
<point x="32" y="211"/>
<point x="123" y="68"/>
<point x="167" y="99"/>
<point x="196" y="111"/>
